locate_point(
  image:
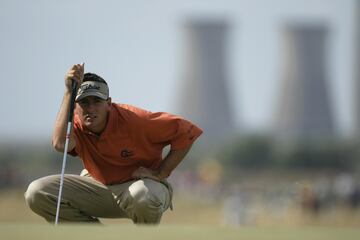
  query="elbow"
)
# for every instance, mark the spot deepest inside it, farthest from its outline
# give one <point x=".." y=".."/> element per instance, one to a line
<point x="58" y="145"/>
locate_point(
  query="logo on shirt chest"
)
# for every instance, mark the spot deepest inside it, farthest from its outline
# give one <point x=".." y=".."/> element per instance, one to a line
<point x="126" y="153"/>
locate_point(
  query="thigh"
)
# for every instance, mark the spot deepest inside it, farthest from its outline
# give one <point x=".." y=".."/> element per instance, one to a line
<point x="146" y="186"/>
<point x="83" y="193"/>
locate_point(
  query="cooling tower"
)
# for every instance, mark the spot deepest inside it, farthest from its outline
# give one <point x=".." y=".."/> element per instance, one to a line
<point x="305" y="110"/>
<point x="205" y="99"/>
<point x="356" y="89"/>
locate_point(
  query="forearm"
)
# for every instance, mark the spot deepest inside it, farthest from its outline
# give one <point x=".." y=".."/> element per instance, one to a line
<point x="171" y="161"/>
<point x="59" y="133"/>
<point x="75" y="73"/>
<point x="168" y="164"/>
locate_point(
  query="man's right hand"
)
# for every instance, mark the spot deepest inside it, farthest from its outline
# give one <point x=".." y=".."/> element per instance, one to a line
<point x="76" y="72"/>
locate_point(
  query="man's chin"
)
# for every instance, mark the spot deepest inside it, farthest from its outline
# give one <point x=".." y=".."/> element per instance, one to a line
<point x="89" y="124"/>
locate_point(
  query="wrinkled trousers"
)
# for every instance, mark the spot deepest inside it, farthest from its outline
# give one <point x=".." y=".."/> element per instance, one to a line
<point x="84" y="199"/>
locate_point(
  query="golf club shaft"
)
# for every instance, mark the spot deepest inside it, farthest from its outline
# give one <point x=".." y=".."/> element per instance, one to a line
<point x="68" y="131"/>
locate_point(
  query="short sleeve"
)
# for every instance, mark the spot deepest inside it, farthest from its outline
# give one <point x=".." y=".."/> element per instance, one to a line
<point x="171" y="129"/>
<point x="73" y="152"/>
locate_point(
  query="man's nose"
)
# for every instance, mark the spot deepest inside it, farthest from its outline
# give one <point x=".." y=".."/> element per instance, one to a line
<point x="90" y="106"/>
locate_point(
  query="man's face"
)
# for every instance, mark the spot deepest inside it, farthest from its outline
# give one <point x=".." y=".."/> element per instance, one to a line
<point x="93" y="112"/>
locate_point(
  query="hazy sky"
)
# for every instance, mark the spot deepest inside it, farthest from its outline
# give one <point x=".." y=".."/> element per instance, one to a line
<point x="137" y="47"/>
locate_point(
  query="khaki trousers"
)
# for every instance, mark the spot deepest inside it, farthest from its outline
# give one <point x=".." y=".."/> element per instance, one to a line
<point x="85" y="199"/>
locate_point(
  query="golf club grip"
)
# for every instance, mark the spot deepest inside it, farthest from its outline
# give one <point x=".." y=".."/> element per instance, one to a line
<point x="72" y="101"/>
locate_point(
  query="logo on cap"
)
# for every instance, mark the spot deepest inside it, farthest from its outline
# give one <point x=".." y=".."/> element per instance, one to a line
<point x="89" y="86"/>
<point x="92" y="88"/>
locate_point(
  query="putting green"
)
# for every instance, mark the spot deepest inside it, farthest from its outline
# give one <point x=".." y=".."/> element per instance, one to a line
<point x="173" y="232"/>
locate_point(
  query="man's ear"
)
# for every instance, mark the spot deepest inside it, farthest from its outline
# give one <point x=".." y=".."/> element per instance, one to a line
<point x="76" y="108"/>
<point x="109" y="101"/>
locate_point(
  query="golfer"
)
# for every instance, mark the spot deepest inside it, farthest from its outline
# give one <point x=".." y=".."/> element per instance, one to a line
<point x="121" y="150"/>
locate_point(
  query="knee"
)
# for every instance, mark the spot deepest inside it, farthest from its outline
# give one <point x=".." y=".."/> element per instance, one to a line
<point x="147" y="207"/>
<point x="143" y="196"/>
<point x="35" y="191"/>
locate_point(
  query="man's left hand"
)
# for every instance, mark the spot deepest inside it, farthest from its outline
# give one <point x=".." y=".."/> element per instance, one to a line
<point x="143" y="172"/>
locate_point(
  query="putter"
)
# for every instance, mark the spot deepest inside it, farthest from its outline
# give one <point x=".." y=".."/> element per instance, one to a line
<point x="69" y="125"/>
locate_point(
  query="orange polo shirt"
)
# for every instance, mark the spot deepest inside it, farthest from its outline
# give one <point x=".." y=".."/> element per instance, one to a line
<point x="133" y="137"/>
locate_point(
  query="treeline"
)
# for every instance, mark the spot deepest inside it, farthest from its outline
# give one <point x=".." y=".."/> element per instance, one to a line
<point x="21" y="163"/>
<point x="263" y="151"/>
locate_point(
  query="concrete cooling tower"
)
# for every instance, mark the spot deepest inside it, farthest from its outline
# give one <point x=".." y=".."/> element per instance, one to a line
<point x="305" y="109"/>
<point x="205" y="99"/>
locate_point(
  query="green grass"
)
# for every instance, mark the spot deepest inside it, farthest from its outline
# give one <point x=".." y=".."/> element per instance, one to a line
<point x="191" y="219"/>
<point x="13" y="210"/>
<point x="173" y="232"/>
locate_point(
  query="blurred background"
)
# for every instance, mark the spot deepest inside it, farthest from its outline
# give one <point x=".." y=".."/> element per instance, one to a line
<point x="274" y="85"/>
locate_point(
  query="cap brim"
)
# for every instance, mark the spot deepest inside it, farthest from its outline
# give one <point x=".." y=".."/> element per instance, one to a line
<point x="88" y="94"/>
